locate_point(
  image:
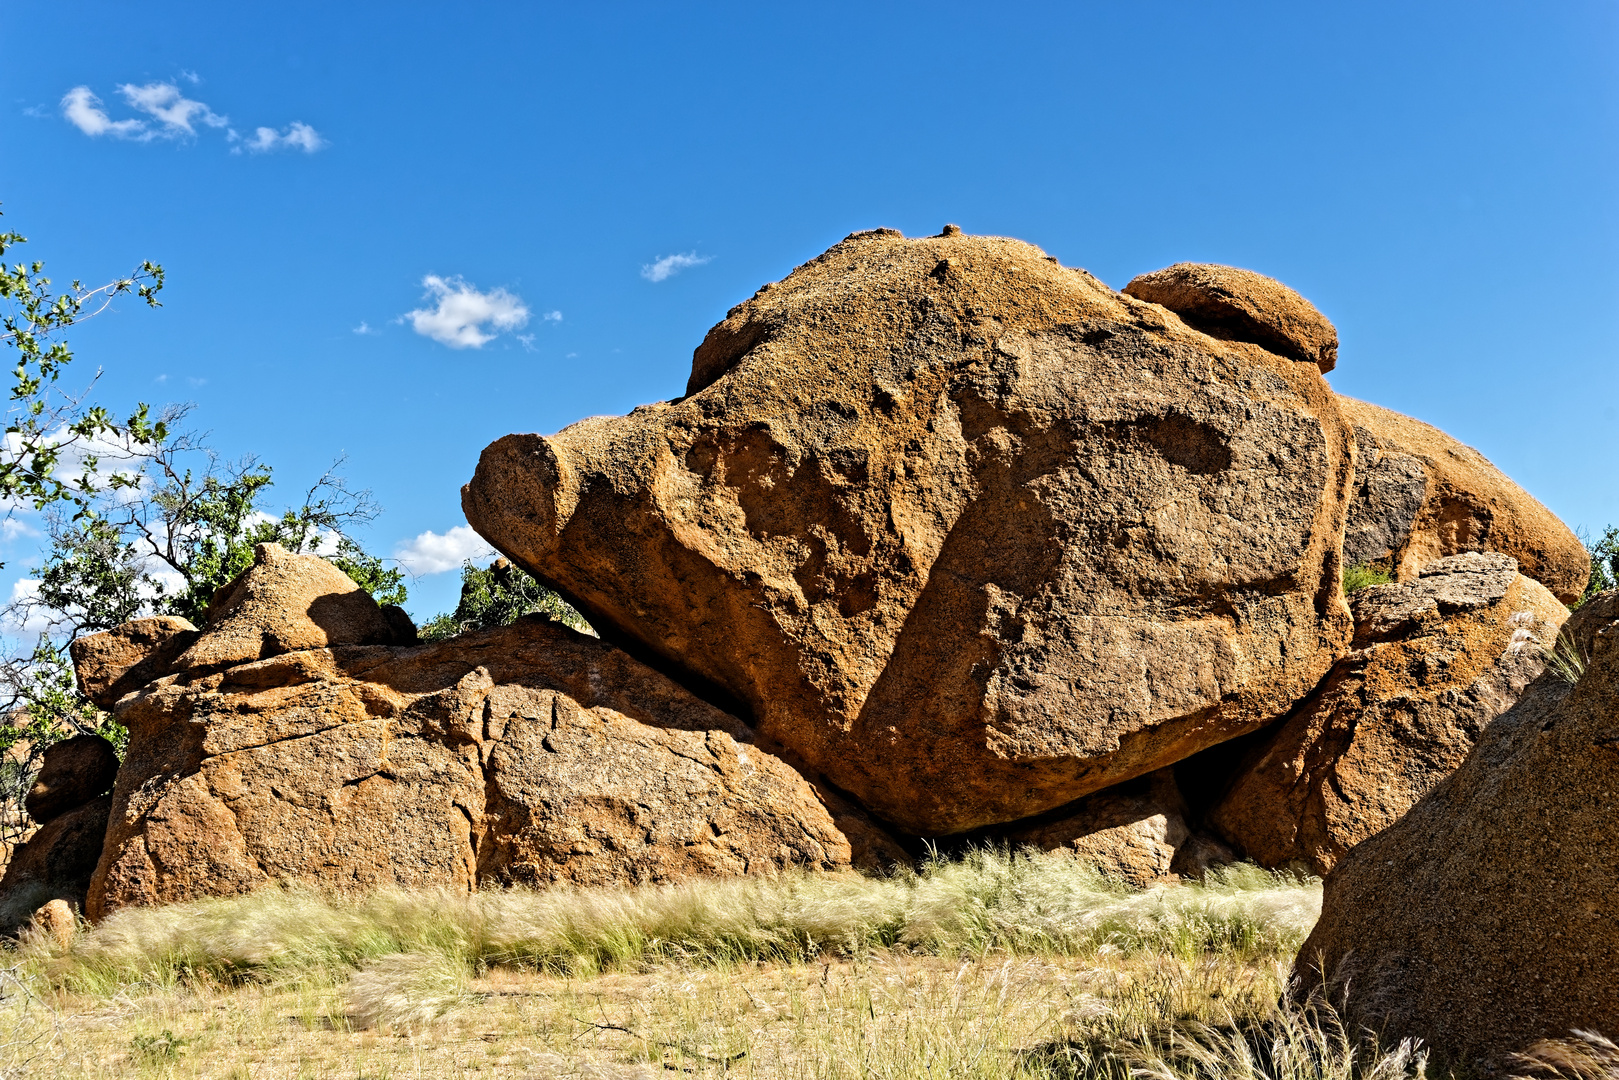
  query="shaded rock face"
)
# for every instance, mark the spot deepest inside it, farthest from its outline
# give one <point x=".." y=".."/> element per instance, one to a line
<point x="1136" y="831"/>
<point x="55" y="864"/>
<point x="1484" y="919"/>
<point x="1240" y="305"/>
<point x="1438" y="660"/>
<point x="74" y="771"/>
<point x="965" y="531"/>
<point x="1421" y="495"/>
<point x="526" y="753"/>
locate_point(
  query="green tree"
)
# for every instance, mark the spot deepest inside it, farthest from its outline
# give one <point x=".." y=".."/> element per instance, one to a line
<point x="181" y="524"/>
<point x="499" y="595"/>
<point x="1604" y="554"/>
<point x="46" y="428"/>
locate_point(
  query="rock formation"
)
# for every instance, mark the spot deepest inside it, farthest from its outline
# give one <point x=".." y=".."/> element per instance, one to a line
<point x="1421" y="495"/>
<point x="74" y="771"/>
<point x="967" y="532"/>
<point x="526" y="753"/>
<point x="1436" y="661"/>
<point x="1484" y="919"/>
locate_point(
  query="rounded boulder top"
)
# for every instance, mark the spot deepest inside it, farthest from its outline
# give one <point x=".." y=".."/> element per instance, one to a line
<point x="1239" y="305"/>
<point x="75" y="771"/>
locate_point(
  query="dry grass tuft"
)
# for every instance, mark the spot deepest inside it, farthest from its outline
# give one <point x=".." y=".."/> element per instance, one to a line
<point x="1584" y="1056"/>
<point x="406" y="990"/>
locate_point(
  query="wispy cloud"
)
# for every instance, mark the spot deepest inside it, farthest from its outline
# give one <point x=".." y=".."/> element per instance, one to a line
<point x="298" y="136"/>
<point x="365" y="329"/>
<point x="177" y="113"/>
<point x="83" y="110"/>
<point x="434" y="553"/>
<point x="169" y="114"/>
<point x="464" y="318"/>
<point x="553" y="316"/>
<point x="670" y="265"/>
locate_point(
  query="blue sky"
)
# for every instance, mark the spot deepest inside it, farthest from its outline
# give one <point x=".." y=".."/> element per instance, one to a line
<point x="1438" y="178"/>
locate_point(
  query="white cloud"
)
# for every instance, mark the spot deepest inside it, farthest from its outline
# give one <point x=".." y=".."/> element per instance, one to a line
<point x="298" y="136"/>
<point x="24" y="614"/>
<point x="463" y="317"/>
<point x="553" y="316"/>
<point x="365" y="329"/>
<point x="434" y="553"/>
<point x="83" y="110"/>
<point x="166" y="103"/>
<point x="670" y="265"/>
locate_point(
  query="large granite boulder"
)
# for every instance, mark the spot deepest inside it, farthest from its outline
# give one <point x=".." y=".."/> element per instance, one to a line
<point x="1488" y="916"/>
<point x="525" y="753"/>
<point x="1437" y="660"/>
<point x="1421" y="495"/>
<point x="55" y="863"/>
<point x="968" y="532"/>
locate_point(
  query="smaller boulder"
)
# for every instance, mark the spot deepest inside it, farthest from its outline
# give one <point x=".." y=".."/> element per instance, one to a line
<point x="75" y="771"/>
<point x="121" y="660"/>
<point x="1240" y="305"/>
<point x="1436" y="661"/>
<point x="1420" y="495"/>
<point x="55" y="922"/>
<point x="283" y="603"/>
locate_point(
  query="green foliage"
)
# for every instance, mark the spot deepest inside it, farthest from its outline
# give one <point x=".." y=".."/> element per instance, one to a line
<point x="43" y="427"/>
<point x="165" y="1046"/>
<point x="1604" y="554"/>
<point x="182" y="526"/>
<point x="498" y="596"/>
<point x="1363" y="575"/>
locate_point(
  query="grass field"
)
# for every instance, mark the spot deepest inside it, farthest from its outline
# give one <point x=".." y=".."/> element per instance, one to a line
<point x="996" y="965"/>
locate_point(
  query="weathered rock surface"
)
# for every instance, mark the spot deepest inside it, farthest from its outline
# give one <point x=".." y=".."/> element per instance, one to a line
<point x="1488" y="916"/>
<point x="115" y="662"/>
<point x="1225" y="302"/>
<point x="968" y="532"/>
<point x="291" y="602"/>
<point x="1136" y="832"/>
<point x="1436" y="663"/>
<point x="74" y="771"/>
<point x="1421" y="495"/>
<point x="54" y="864"/>
<point x="527" y="753"/>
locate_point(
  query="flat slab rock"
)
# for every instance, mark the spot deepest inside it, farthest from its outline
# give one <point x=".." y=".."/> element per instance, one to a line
<point x="1439" y="659"/>
<point x="966" y="531"/>
<point x="1487" y="918"/>
<point x="529" y="753"/>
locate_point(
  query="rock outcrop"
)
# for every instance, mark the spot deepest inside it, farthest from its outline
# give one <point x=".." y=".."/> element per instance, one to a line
<point x="70" y="801"/>
<point x="1485" y="918"/>
<point x="1421" y="495"/>
<point x="528" y="753"/>
<point x="1240" y="305"/>
<point x="1437" y="660"/>
<point x="967" y="532"/>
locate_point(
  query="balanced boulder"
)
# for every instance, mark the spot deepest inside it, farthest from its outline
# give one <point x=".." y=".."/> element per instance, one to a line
<point x="1421" y="495"/>
<point x="967" y="532"/>
<point x="1488" y="916"/>
<point x="1226" y="302"/>
<point x="1438" y="659"/>
<point x="283" y="603"/>
<point x="55" y="863"/>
